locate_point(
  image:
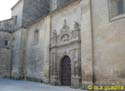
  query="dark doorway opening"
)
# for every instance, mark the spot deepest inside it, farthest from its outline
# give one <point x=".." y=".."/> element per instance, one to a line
<point x="66" y="71"/>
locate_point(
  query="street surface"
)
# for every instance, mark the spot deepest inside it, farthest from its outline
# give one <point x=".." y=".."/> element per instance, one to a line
<point x="15" y="85"/>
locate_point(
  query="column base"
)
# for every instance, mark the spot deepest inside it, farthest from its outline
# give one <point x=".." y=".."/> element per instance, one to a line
<point x="54" y="80"/>
<point x="76" y="82"/>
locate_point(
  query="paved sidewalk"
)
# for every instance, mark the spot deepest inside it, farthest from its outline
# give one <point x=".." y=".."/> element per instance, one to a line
<point x="14" y="85"/>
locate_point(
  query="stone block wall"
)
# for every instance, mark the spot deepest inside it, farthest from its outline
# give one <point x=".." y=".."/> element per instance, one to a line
<point x="109" y="42"/>
<point x="5" y="54"/>
<point x="19" y="53"/>
<point x="37" y="62"/>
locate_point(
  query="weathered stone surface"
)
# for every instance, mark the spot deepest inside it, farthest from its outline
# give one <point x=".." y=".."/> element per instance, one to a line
<point x="109" y="42"/>
<point x="19" y="53"/>
<point x="37" y="62"/>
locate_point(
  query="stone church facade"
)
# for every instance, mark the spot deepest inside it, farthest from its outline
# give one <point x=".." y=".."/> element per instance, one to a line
<point x="64" y="42"/>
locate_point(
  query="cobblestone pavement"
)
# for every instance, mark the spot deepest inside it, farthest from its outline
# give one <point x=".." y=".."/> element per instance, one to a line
<point x="14" y="85"/>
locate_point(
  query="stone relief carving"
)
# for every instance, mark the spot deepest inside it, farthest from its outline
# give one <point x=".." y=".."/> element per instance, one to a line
<point x="54" y="33"/>
<point x="77" y="26"/>
<point x="65" y="43"/>
<point x="65" y="37"/>
<point x="65" y="26"/>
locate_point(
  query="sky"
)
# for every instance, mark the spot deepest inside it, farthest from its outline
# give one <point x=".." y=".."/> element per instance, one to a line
<point x="5" y="8"/>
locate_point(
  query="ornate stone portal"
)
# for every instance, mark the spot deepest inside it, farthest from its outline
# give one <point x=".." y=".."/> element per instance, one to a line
<point x="67" y="43"/>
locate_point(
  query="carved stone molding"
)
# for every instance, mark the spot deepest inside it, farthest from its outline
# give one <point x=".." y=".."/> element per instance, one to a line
<point x="66" y="35"/>
<point x="65" y="27"/>
<point x="66" y="43"/>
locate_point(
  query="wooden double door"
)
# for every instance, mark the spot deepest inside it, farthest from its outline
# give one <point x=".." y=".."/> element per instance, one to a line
<point x="66" y="71"/>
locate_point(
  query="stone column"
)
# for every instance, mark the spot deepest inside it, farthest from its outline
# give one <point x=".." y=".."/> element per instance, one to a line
<point x="76" y="76"/>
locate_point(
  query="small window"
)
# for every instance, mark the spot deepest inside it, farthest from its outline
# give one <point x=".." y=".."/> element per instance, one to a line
<point x="6" y="42"/>
<point x="36" y="37"/>
<point x="117" y="8"/>
<point x="15" y="20"/>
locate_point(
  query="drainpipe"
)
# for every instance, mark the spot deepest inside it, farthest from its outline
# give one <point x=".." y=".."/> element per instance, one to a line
<point x="92" y="39"/>
<point x="11" y="62"/>
<point x="50" y="48"/>
<point x="11" y="58"/>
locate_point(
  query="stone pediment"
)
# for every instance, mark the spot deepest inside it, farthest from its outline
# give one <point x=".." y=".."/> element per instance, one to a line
<point x="66" y="35"/>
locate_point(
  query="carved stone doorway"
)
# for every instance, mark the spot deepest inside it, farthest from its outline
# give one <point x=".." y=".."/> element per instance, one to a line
<point x="66" y="71"/>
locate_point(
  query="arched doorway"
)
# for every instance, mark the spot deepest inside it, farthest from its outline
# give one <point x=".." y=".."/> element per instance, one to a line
<point x="66" y="71"/>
